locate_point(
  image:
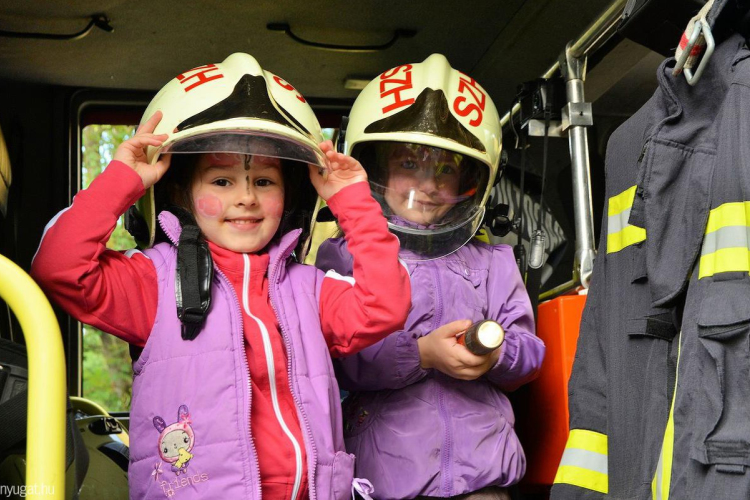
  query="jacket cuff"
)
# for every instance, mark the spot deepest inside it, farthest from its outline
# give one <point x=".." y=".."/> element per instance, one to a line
<point x="408" y="363"/>
<point x="508" y="354"/>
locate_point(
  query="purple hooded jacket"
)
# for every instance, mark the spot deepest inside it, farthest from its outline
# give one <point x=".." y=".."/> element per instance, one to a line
<point x="190" y="413"/>
<point x="421" y="432"/>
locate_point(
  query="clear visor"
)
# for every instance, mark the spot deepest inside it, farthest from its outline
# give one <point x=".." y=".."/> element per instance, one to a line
<point x="432" y="197"/>
<point x="248" y="143"/>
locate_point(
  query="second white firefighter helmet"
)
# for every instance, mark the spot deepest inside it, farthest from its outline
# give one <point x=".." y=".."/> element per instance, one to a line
<point x="429" y="137"/>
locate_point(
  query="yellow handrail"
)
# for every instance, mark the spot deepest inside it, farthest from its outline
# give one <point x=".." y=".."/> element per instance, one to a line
<point x="45" y="443"/>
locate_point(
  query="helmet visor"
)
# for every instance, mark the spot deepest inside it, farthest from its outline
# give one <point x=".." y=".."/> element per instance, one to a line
<point x="248" y="143"/>
<point x="427" y="193"/>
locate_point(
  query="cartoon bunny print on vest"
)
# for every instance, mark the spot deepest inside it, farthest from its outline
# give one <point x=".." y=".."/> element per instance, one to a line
<point x="176" y="440"/>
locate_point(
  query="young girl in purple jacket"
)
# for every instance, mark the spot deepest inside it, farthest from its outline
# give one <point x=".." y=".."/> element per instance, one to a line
<point x="427" y="418"/>
<point x="234" y="394"/>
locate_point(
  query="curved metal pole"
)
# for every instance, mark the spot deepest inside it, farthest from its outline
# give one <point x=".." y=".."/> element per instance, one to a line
<point x="45" y="441"/>
<point x="574" y="71"/>
<point x="572" y="65"/>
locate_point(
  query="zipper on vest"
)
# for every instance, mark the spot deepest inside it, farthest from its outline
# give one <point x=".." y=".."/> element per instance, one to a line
<point x="271" y="366"/>
<point x="243" y="356"/>
<point x="312" y="459"/>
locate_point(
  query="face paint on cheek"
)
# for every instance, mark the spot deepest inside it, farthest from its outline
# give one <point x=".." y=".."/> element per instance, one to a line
<point x="275" y="209"/>
<point x="208" y="206"/>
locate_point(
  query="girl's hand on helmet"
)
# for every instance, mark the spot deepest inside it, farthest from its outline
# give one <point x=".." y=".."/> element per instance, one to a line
<point x="343" y="170"/>
<point x="440" y="350"/>
<point x="133" y="152"/>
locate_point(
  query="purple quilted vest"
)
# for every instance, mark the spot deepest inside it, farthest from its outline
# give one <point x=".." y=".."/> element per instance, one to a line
<point x="190" y="413"/>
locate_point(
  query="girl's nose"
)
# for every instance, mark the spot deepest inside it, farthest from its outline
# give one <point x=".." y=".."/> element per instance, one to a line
<point x="428" y="183"/>
<point x="247" y="197"/>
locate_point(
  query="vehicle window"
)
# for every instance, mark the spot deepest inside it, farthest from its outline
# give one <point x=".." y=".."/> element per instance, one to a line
<point x="329" y="133"/>
<point x="106" y="373"/>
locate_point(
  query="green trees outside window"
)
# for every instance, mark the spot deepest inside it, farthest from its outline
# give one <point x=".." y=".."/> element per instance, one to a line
<point x="107" y="374"/>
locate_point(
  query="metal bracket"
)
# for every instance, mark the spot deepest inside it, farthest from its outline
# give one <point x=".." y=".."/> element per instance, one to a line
<point x="536" y="128"/>
<point x="699" y="27"/>
<point x="577" y="114"/>
<point x="572" y="68"/>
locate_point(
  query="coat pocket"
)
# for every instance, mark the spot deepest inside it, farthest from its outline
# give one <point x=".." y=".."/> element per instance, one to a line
<point x="723" y="414"/>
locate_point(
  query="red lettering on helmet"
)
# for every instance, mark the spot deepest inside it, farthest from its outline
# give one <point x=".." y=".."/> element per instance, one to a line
<point x="287" y="86"/>
<point x="467" y="85"/>
<point x="401" y="85"/>
<point x="201" y="76"/>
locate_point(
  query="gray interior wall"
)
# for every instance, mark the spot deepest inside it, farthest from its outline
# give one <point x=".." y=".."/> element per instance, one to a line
<point x="33" y="118"/>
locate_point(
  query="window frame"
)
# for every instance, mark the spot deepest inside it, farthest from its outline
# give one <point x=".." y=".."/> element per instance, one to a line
<point x="82" y="104"/>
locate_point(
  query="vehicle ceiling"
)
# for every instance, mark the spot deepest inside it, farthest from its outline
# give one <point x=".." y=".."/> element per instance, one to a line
<point x="500" y="43"/>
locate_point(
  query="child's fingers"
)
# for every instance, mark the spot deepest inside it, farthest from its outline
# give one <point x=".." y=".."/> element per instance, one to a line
<point x="150" y="124"/>
<point x="452" y="329"/>
<point x="142" y="140"/>
<point x="333" y="160"/>
<point x="346" y="162"/>
<point x="162" y="165"/>
<point x="326" y="146"/>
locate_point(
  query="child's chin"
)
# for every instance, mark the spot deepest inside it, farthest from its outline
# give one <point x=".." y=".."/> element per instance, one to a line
<point x="244" y="247"/>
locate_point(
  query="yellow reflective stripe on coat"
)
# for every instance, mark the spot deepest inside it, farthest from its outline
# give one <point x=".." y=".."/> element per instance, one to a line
<point x="620" y="234"/>
<point x="663" y="476"/>
<point x="726" y="244"/>
<point x="584" y="462"/>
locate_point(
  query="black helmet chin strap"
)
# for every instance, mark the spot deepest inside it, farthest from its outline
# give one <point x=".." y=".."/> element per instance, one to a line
<point x="195" y="272"/>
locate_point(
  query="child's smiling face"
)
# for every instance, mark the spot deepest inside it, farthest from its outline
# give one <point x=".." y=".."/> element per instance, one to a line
<point x="238" y="199"/>
<point x="423" y="182"/>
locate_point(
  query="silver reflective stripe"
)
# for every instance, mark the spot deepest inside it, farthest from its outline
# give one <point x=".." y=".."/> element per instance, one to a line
<point x="133" y="251"/>
<point x="618" y="222"/>
<point x="584" y="459"/>
<point x="333" y="274"/>
<point x="726" y="237"/>
<point x="47" y="228"/>
<point x="658" y="479"/>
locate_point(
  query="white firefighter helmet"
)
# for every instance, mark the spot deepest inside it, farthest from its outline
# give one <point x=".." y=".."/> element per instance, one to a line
<point x="232" y="107"/>
<point x="429" y="137"/>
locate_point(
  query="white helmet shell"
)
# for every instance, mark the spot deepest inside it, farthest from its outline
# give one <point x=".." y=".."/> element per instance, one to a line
<point x="234" y="97"/>
<point x="433" y="105"/>
<point x="399" y="88"/>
